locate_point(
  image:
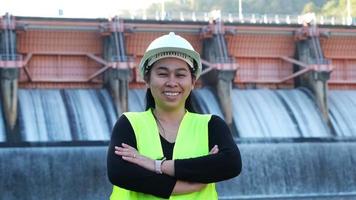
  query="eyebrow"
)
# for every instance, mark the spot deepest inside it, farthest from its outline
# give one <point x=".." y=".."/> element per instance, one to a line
<point x="162" y="68"/>
<point x="166" y="68"/>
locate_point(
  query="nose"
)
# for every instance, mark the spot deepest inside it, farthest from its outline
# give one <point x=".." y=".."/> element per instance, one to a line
<point x="171" y="81"/>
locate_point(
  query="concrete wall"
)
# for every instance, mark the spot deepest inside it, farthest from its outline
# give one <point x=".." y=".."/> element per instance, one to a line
<point x="310" y="170"/>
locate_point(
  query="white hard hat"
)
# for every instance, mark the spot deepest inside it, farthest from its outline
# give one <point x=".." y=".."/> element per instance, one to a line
<point x="171" y="45"/>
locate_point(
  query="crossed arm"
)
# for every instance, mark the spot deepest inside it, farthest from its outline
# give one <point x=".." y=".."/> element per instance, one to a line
<point x="179" y="176"/>
<point x="130" y="154"/>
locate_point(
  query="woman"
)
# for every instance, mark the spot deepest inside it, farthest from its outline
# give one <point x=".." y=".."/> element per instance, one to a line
<point x="164" y="151"/>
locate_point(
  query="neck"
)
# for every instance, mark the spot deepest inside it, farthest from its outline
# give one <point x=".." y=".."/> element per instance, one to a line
<point x="168" y="122"/>
<point x="169" y="115"/>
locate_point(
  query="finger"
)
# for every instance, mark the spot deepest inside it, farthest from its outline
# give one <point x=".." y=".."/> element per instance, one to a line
<point x="214" y="150"/>
<point x="121" y="153"/>
<point x="126" y="154"/>
<point x="124" y="149"/>
<point x="127" y="146"/>
<point x="130" y="159"/>
<point x="119" y="148"/>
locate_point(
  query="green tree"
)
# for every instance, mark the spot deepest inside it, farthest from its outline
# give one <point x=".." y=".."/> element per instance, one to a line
<point x="291" y="7"/>
<point x="337" y="8"/>
<point x="311" y="7"/>
<point x="331" y="8"/>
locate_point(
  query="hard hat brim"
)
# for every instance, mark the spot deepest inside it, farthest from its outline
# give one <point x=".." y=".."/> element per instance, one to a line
<point x="193" y="54"/>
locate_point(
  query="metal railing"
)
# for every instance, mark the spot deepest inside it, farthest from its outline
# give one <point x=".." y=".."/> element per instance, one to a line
<point x="235" y="18"/>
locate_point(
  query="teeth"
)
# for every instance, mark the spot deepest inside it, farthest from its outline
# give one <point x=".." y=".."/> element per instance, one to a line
<point x="171" y="93"/>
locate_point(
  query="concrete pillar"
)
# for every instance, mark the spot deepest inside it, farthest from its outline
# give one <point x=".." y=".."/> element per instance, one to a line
<point x="316" y="82"/>
<point x="9" y="86"/>
<point x="309" y="51"/>
<point x="118" y="85"/>
<point x="117" y="79"/>
<point x="320" y="90"/>
<point x="221" y="81"/>
<point x="221" y="78"/>
<point x="9" y="73"/>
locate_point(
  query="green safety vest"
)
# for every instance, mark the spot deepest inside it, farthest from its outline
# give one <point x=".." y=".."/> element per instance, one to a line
<point x="192" y="141"/>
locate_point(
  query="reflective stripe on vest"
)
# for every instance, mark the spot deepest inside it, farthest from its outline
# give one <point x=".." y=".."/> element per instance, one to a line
<point x="192" y="141"/>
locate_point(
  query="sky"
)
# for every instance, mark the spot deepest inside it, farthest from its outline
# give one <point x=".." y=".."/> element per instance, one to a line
<point x="71" y="8"/>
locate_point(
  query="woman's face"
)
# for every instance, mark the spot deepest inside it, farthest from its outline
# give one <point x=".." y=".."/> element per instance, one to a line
<point x="171" y="82"/>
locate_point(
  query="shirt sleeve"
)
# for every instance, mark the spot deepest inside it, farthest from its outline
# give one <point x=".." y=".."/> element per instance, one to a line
<point x="212" y="168"/>
<point x="130" y="176"/>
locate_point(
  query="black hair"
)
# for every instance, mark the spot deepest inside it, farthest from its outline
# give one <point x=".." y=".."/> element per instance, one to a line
<point x="150" y="102"/>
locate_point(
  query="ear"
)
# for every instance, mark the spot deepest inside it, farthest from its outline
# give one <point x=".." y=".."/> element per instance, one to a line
<point x="194" y="80"/>
<point x="147" y="81"/>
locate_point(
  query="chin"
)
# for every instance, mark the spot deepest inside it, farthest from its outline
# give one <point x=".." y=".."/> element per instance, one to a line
<point x="171" y="105"/>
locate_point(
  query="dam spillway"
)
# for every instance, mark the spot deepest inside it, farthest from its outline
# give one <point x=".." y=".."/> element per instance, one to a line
<point x="291" y="96"/>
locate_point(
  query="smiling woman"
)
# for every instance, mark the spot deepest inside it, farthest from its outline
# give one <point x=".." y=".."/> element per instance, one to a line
<point x="170" y="82"/>
<point x="169" y="151"/>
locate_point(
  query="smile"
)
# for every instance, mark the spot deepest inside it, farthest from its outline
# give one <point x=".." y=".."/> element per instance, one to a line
<point x="171" y="93"/>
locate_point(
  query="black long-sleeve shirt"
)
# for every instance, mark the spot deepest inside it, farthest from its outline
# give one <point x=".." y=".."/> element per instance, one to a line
<point x="205" y="169"/>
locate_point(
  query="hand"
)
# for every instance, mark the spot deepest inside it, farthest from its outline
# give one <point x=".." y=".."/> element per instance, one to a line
<point x="198" y="186"/>
<point x="184" y="187"/>
<point x="131" y="155"/>
<point x="168" y="165"/>
<point x="214" y="150"/>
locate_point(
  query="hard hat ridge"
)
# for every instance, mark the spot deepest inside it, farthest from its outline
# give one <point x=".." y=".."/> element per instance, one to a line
<point x="171" y="45"/>
<point x="173" y="54"/>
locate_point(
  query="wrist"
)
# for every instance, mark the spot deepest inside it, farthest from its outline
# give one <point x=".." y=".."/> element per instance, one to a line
<point x="168" y="167"/>
<point x="158" y="165"/>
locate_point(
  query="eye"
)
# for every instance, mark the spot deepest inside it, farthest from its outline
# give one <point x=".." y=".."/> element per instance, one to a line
<point x="181" y="75"/>
<point x="162" y="74"/>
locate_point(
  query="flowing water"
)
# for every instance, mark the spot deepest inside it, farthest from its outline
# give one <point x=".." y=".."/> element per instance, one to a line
<point x="277" y="113"/>
<point x="207" y="102"/>
<point x="65" y="115"/>
<point x="137" y="100"/>
<point x="318" y="170"/>
<point x="2" y="125"/>
<point x="342" y="110"/>
<point x="310" y="170"/>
